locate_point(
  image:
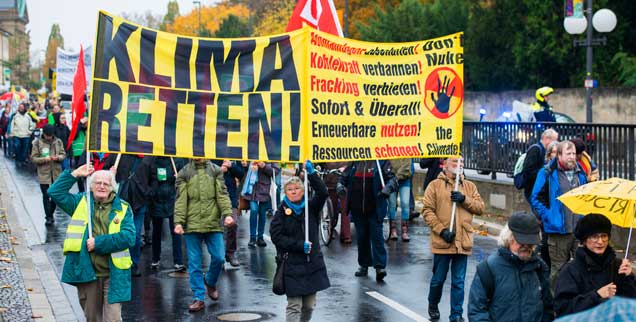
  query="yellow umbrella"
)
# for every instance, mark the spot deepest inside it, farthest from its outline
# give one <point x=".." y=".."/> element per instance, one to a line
<point x="613" y="198"/>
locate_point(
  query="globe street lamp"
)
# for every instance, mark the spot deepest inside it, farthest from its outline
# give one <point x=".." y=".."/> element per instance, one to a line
<point x="604" y="20"/>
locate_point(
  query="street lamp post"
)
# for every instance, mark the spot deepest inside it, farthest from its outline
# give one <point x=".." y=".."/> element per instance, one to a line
<point x="197" y="2"/>
<point x="604" y="20"/>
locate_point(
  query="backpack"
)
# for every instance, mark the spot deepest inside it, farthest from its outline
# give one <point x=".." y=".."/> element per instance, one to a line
<point x="488" y="279"/>
<point x="518" y="174"/>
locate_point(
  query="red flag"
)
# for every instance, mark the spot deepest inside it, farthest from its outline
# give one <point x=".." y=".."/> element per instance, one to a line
<point x="78" y="107"/>
<point x="319" y="14"/>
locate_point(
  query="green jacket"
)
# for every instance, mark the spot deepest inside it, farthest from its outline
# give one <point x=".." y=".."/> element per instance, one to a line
<point x="78" y="267"/>
<point x="202" y="198"/>
<point x="48" y="171"/>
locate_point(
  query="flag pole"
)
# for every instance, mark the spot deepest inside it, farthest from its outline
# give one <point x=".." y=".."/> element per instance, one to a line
<point x="88" y="196"/>
<point x="117" y="160"/>
<point x="377" y="162"/>
<point x="307" y="208"/>
<point x="631" y="227"/>
<point x="174" y="167"/>
<point x="457" y="178"/>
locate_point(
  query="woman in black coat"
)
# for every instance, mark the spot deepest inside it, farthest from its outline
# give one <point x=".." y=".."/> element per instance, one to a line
<point x="305" y="272"/>
<point x="595" y="274"/>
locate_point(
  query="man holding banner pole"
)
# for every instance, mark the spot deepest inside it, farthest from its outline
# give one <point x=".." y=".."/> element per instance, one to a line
<point x="367" y="200"/>
<point x="451" y="239"/>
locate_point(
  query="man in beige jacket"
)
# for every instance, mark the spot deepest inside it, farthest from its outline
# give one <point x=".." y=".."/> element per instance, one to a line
<point x="47" y="154"/>
<point x="450" y="246"/>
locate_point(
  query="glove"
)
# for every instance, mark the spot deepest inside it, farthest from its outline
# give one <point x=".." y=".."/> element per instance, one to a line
<point x="309" y="167"/>
<point x="389" y="188"/>
<point x="384" y="193"/>
<point x="447" y="235"/>
<point x="307" y="247"/>
<point x="457" y="196"/>
<point x="341" y="190"/>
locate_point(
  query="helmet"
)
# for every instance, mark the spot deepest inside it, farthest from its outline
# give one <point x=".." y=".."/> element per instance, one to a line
<point x="543" y="92"/>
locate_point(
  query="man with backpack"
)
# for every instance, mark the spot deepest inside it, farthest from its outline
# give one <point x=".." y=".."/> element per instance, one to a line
<point x="533" y="161"/>
<point x="512" y="284"/>
<point x="525" y="175"/>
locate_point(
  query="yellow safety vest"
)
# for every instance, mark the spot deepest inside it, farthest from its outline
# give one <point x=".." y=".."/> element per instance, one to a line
<point x="77" y="227"/>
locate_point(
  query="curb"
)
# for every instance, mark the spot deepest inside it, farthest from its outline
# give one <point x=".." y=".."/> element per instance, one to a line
<point x="45" y="292"/>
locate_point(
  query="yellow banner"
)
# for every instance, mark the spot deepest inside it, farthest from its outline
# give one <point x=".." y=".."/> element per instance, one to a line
<point x="289" y="97"/>
<point x="384" y="101"/>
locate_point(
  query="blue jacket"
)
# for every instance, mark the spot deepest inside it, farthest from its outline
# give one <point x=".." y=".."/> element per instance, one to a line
<point x="519" y="294"/>
<point x="78" y="267"/>
<point x="544" y="197"/>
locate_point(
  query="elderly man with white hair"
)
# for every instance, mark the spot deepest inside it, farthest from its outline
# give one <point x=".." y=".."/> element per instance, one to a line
<point x="512" y="284"/>
<point x="99" y="265"/>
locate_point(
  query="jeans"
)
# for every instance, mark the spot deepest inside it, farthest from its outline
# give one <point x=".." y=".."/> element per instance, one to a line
<point x="457" y="263"/>
<point x="138" y="218"/>
<point x="49" y="204"/>
<point x="405" y="196"/>
<point x="371" y="251"/>
<point x="214" y="243"/>
<point x="277" y="180"/>
<point x="66" y="164"/>
<point x="21" y="149"/>
<point x="5" y="144"/>
<point x="157" y="225"/>
<point x="258" y="218"/>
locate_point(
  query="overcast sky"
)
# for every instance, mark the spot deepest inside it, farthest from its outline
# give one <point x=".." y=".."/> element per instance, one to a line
<point x="77" y="18"/>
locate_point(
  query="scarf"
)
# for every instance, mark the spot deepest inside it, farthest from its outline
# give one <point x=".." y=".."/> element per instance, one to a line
<point x="251" y="178"/>
<point x="296" y="207"/>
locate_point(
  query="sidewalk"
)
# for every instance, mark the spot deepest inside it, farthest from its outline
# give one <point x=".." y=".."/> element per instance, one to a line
<point x="30" y="289"/>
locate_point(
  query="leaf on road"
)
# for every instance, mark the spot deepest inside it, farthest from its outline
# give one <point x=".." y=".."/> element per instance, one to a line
<point x="6" y="286"/>
<point x="30" y="289"/>
<point x="36" y="316"/>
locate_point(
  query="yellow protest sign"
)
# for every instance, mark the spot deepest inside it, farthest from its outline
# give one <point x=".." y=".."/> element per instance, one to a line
<point x="288" y="97"/>
<point x="384" y="101"/>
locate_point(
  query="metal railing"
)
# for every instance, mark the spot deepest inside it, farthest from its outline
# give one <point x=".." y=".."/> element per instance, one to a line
<point x="495" y="146"/>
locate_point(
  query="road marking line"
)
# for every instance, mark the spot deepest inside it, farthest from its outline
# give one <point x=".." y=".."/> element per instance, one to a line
<point x="397" y="306"/>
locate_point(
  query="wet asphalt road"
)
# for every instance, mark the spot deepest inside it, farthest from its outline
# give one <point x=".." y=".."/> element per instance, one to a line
<point x="164" y="296"/>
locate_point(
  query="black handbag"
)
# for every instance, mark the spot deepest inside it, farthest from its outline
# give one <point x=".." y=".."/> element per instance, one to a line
<point x="278" y="287"/>
<point x="126" y="187"/>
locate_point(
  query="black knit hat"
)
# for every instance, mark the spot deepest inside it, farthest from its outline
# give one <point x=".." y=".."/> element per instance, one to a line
<point x="592" y="224"/>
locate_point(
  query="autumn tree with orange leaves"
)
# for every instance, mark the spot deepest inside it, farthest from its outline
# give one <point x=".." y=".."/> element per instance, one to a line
<point x="211" y="19"/>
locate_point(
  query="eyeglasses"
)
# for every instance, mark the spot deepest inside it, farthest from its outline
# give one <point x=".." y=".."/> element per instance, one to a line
<point x="599" y="237"/>
<point x="102" y="183"/>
